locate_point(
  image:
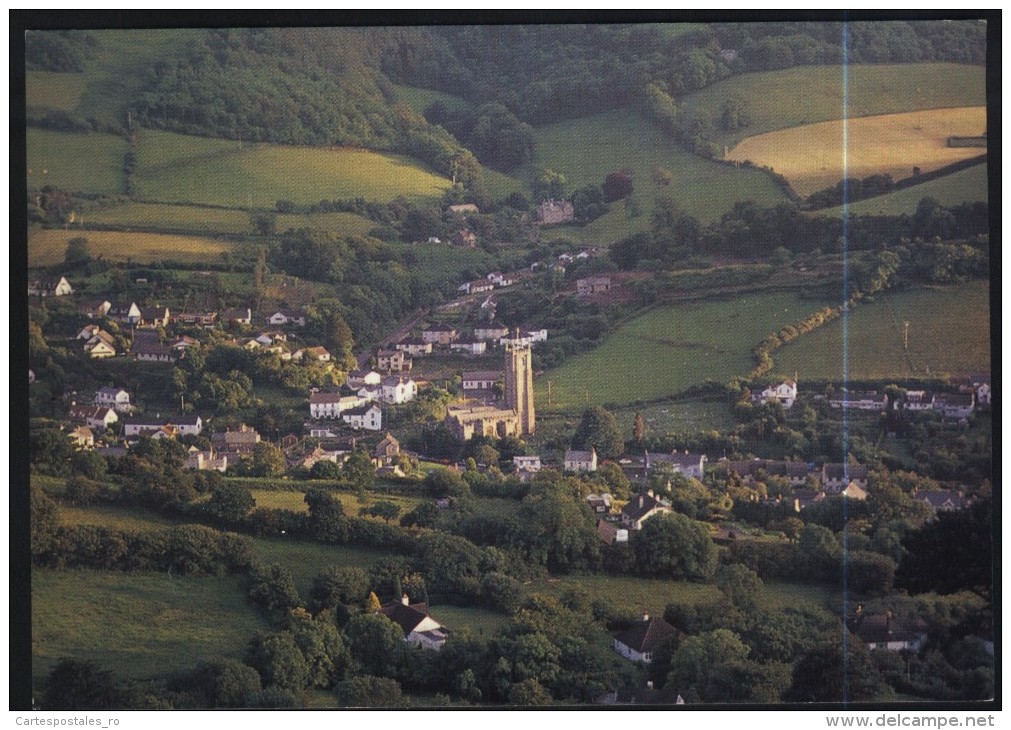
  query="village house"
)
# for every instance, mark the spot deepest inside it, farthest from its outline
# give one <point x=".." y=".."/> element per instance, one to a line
<point x="312" y="354"/>
<point x="414" y="348"/>
<point x="640" y="508"/>
<point x="397" y="389"/>
<point x="464" y="238"/>
<point x="368" y="417"/>
<point x="358" y="378"/>
<point x="439" y="334"/>
<point x="125" y="313"/>
<point x="186" y="425"/>
<point x="490" y="331"/>
<point x="205" y="460"/>
<point x="691" y="465"/>
<point x="593" y="285"/>
<point x="287" y="317"/>
<point x="527" y="464"/>
<point x="884" y="631"/>
<point x="116" y="398"/>
<point x="419" y="628"/>
<point x="861" y="401"/>
<point x="94" y="308"/>
<point x="239" y="441"/>
<point x="638" y="643"/>
<point x="784" y="393"/>
<point x="50" y="288"/>
<point x="836" y="476"/>
<point x="150" y="350"/>
<point x="394" y="361"/>
<point x="82" y="437"/>
<point x="956" y="406"/>
<point x="98" y="418"/>
<point x="581" y="461"/>
<point x="320" y="454"/>
<point x="480" y="379"/>
<point x="942" y="500"/>
<point x="476" y="287"/>
<point x="241" y="315"/>
<point x="917" y="400"/>
<point x="331" y="405"/>
<point x="552" y="212"/>
<point x="469" y="347"/>
<point x="184" y="343"/>
<point x="154" y="316"/>
<point x="600" y="503"/>
<point x="201" y="319"/>
<point x="854" y="491"/>
<point x="100" y="346"/>
<point x="386" y="451"/>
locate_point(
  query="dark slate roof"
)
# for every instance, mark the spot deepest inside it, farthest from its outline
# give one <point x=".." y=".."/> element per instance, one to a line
<point x="482" y="375"/>
<point x="839" y="471"/>
<point x="880" y="628"/>
<point x="645" y="635"/>
<point x="408" y="616"/>
<point x="638" y="507"/>
<point x="940" y="499"/>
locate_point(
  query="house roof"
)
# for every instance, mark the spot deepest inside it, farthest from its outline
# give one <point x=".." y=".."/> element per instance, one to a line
<point x="955" y="399"/>
<point x="680" y="459"/>
<point x="645" y="635"/>
<point x="408" y="616"/>
<point x="640" y="506"/>
<point x="361" y="410"/>
<point x="845" y="471"/>
<point x="482" y="374"/>
<point x="573" y="455"/>
<point x="940" y="499"/>
<point x="607" y="532"/>
<point x="320" y="396"/>
<point x="112" y="392"/>
<point x="881" y="628"/>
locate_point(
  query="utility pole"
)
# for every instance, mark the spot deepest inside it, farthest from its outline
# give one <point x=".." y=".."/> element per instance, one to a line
<point x="905" y="336"/>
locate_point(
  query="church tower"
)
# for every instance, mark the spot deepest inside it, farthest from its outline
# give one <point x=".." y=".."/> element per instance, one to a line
<point x="519" y="382"/>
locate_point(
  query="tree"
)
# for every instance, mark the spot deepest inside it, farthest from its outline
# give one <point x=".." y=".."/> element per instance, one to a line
<point x="340" y="586"/>
<point x="279" y="661"/>
<point x="451" y="565"/>
<point x="368" y="691"/>
<point x="617" y="185"/>
<point x="559" y="531"/>
<point x="740" y="585"/>
<point x="424" y="515"/>
<point x="638" y="430"/>
<point x="699" y="660"/>
<point x="273" y="588"/>
<point x="549" y="184"/>
<point x="326" y="516"/>
<point x="268" y="460"/>
<point x="440" y="483"/>
<point x="828" y="673"/>
<point x="358" y="472"/>
<point x="44" y="521"/>
<point x="375" y="642"/>
<point x="264" y="222"/>
<point x="598" y="429"/>
<point x="224" y="683"/>
<point x="324" y="649"/>
<point x="529" y="693"/>
<point x="385" y="509"/>
<point x="229" y="503"/>
<point x="674" y="546"/>
<point x="79" y="685"/>
<point x="78" y="252"/>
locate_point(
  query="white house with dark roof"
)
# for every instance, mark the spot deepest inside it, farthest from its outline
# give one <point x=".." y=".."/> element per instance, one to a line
<point x="837" y="476"/>
<point x="957" y="406"/>
<point x="332" y="405"/>
<point x="861" y="401"/>
<point x="581" y="461"/>
<point x="638" y="643"/>
<point x="480" y="379"/>
<point x="398" y="389"/>
<point x="414" y="348"/>
<point x="50" y="288"/>
<point x="640" y="508"/>
<point x="942" y="500"/>
<point x="689" y="464"/>
<point x="784" y="393"/>
<point x="469" y="347"/>
<point x="885" y="632"/>
<point x="116" y="398"/>
<point x="368" y="417"/>
<point x="419" y="628"/>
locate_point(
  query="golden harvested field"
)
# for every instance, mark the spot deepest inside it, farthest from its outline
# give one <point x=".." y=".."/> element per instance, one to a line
<point x="48" y="246"/>
<point x="813" y="156"/>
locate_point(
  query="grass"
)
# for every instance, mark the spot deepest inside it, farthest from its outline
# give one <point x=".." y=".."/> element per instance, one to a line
<point x="809" y="94"/>
<point x="585" y="150"/>
<point x="669" y="349"/>
<point x="420" y="99"/>
<point x="138" y="625"/>
<point x="191" y="218"/>
<point x="133" y="519"/>
<point x="949" y="332"/>
<point x="815" y="156"/>
<point x="479" y="621"/>
<point x="48" y="246"/>
<point x="52" y="90"/>
<point x="679" y="417"/>
<point x="179" y="168"/>
<point x="969" y="185"/>
<point x="343" y="224"/>
<point x="85" y="163"/>
<point x="295" y="501"/>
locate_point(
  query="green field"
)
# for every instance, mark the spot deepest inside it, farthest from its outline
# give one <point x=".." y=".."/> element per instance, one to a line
<point x="420" y="99"/>
<point x="133" y="519"/>
<point x="295" y="500"/>
<point x="964" y="186"/>
<point x="669" y="349"/>
<point x="89" y="163"/>
<point x="191" y="218"/>
<point x="51" y="90"/>
<point x="179" y="168"/>
<point x="808" y="94"/>
<point x="48" y="246"/>
<point x="949" y="332"/>
<point x="679" y="417"/>
<point x="342" y="224"/>
<point x="138" y="625"/>
<point x="586" y="150"/>
<point x="479" y="621"/>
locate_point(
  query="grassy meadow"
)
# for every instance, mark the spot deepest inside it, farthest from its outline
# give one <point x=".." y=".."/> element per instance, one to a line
<point x="89" y="162"/>
<point x="669" y="349"/>
<point x="949" y="332"/>
<point x="138" y="625"/>
<point x="180" y="168"/>
<point x="965" y="186"/>
<point x="48" y="246"/>
<point x="816" y="156"/>
<point x="585" y="150"/>
<point x="807" y="94"/>
<point x="190" y="218"/>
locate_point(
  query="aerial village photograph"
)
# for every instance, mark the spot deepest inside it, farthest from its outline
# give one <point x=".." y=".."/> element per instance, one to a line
<point x="568" y="365"/>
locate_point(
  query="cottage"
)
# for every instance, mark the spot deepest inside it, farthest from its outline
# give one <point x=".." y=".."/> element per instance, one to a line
<point x="691" y="465"/>
<point x="956" y="406"/>
<point x="152" y="351"/>
<point x="884" y="631"/>
<point x="784" y="393"/>
<point x="491" y="331"/>
<point x="116" y="398"/>
<point x="368" y="417"/>
<point x="593" y="285"/>
<point x="527" y="464"/>
<point x="394" y="361"/>
<point x="440" y="334"/>
<point x="50" y="288"/>
<point x="125" y="313"/>
<point x="854" y="491"/>
<point x="552" y="212"/>
<point x="154" y="316"/>
<point x="94" y="308"/>
<point x="89" y="331"/>
<point x="398" y="390"/>
<point x="240" y="441"/>
<point x="82" y="437"/>
<point x="143" y="425"/>
<point x="419" y="628"/>
<point x="288" y="317"/>
<point x="184" y="343"/>
<point x="331" y="405"/>
<point x="98" y="418"/>
<point x="242" y="315"/>
<point x="836" y="477"/>
<point x="469" y="347"/>
<point x="581" y="461"/>
<point x="942" y="500"/>
<point x="464" y="238"/>
<point x="320" y="454"/>
<point x="414" y="348"/>
<point x="640" y="508"/>
<point x="359" y="378"/>
<point x="201" y="319"/>
<point x="387" y="450"/>
<point x="100" y="346"/>
<point x="480" y="379"/>
<point x="639" y="642"/>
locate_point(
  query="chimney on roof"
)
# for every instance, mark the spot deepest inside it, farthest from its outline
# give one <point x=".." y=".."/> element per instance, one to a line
<point x="640" y="500"/>
<point x="645" y="615"/>
<point x="405" y="599"/>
